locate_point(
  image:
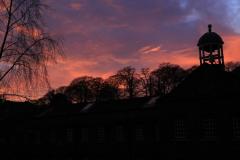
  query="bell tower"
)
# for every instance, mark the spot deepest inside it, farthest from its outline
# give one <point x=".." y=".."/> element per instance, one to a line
<point x="211" y="48"/>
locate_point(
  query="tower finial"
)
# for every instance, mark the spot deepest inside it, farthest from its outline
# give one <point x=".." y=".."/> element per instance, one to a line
<point x="209" y="28"/>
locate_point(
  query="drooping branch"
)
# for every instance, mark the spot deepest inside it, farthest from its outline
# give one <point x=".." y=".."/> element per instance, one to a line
<point x="14" y="95"/>
<point x="20" y="56"/>
<point x="7" y="28"/>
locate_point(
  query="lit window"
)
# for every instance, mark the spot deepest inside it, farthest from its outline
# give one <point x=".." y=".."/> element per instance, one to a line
<point x="100" y="134"/>
<point x="236" y="128"/>
<point x="139" y="133"/>
<point x="179" y="129"/>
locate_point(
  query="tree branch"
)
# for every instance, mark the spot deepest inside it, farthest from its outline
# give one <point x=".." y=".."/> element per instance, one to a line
<point x="7" y="29"/>
<point x="15" y="95"/>
<point x="20" y="56"/>
<point x="19" y="5"/>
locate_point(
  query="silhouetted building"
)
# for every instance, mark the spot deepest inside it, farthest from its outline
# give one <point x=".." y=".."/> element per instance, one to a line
<point x="211" y="48"/>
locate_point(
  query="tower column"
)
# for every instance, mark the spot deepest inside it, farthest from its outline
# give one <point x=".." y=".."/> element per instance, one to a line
<point x="219" y="56"/>
<point x="200" y="56"/>
<point x="203" y="56"/>
<point x="222" y="57"/>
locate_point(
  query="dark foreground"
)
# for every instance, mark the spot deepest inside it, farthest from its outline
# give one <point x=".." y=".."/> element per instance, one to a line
<point x="191" y="123"/>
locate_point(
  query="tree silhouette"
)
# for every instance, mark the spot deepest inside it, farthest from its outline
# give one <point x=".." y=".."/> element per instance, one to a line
<point x="191" y="69"/>
<point x="89" y="89"/>
<point x="108" y="92"/>
<point x="95" y="85"/>
<point x="59" y="100"/>
<point x="129" y="79"/>
<point x="79" y="90"/>
<point x="231" y="66"/>
<point x="166" y="77"/>
<point x="236" y="71"/>
<point x="146" y="80"/>
<point x="25" y="48"/>
<point x="125" y="83"/>
<point x="113" y="85"/>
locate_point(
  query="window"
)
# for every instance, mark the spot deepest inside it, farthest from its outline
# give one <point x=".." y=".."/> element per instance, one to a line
<point x="100" y="134"/>
<point x="179" y="129"/>
<point x="84" y="135"/>
<point x="236" y="128"/>
<point x="37" y="137"/>
<point x="12" y="139"/>
<point x="139" y="133"/>
<point x="26" y="137"/>
<point x="52" y="137"/>
<point x="209" y="128"/>
<point x="119" y="134"/>
<point x="29" y="136"/>
<point x="69" y="135"/>
<point x="2" y="139"/>
<point x="157" y="133"/>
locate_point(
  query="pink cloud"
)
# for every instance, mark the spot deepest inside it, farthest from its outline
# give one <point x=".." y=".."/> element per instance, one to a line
<point x="149" y="49"/>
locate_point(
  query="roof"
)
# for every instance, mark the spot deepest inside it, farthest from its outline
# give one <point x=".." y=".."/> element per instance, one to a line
<point x="210" y="38"/>
<point x="207" y="82"/>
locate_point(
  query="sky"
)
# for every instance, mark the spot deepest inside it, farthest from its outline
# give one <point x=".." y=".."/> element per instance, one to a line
<point x="103" y="36"/>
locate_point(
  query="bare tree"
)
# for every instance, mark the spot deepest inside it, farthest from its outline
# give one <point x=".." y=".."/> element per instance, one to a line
<point x="167" y="77"/>
<point x="88" y="89"/>
<point x="108" y="92"/>
<point x="25" y="47"/>
<point x="79" y="90"/>
<point x="129" y="79"/>
<point x="146" y="81"/>
<point x="112" y="86"/>
<point x="96" y="85"/>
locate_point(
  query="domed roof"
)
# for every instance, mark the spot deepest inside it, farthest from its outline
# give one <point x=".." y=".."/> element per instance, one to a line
<point x="210" y="38"/>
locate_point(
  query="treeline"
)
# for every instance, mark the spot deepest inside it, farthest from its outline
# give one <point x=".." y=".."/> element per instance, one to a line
<point x="127" y="83"/>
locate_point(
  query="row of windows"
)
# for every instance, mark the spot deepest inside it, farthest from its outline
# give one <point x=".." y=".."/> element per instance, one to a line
<point x="236" y="128"/>
<point x="139" y="132"/>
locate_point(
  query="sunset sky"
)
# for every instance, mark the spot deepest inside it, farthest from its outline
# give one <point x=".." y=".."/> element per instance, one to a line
<point x="102" y="36"/>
